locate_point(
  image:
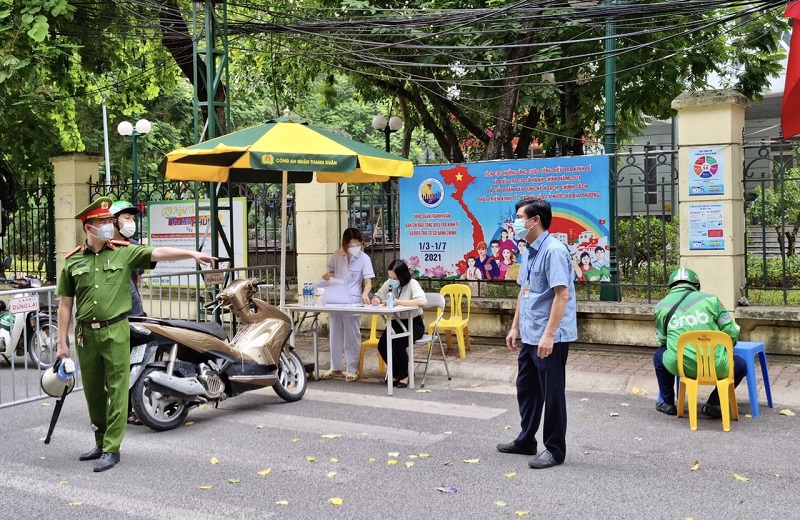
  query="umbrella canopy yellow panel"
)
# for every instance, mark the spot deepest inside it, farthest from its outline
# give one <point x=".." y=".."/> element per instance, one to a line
<point x="261" y="153"/>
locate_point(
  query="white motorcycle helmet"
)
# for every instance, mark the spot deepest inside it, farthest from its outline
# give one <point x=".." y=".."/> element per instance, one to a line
<point x="59" y="378"/>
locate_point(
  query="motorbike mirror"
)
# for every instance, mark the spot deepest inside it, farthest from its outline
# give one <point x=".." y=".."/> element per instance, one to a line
<point x="7" y="262"/>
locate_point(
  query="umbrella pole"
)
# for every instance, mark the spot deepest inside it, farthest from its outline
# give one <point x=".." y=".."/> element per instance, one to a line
<point x="284" y="196"/>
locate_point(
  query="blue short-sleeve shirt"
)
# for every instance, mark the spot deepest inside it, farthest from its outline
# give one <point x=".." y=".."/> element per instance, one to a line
<point x="545" y="265"/>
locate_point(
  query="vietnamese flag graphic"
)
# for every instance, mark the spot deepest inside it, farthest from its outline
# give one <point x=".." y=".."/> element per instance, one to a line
<point x="790" y="111"/>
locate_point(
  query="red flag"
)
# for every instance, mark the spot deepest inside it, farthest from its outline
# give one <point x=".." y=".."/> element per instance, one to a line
<point x="790" y="111"/>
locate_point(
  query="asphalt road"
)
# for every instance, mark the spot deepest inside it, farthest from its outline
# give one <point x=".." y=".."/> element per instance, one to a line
<point x="636" y="464"/>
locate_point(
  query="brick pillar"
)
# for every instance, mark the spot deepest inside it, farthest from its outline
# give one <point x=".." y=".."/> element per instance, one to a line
<point x="713" y="121"/>
<point x="71" y="173"/>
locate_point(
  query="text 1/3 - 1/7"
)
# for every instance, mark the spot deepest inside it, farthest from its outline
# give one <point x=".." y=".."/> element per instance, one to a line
<point x="438" y="247"/>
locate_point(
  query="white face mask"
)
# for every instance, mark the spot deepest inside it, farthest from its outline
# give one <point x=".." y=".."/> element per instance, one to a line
<point x="104" y="232"/>
<point x="128" y="229"/>
<point x="354" y="250"/>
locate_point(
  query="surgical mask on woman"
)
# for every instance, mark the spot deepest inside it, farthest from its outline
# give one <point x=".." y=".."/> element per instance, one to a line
<point x="128" y="229"/>
<point x="394" y="284"/>
<point x="519" y="228"/>
<point x="354" y="250"/>
<point x="104" y="232"/>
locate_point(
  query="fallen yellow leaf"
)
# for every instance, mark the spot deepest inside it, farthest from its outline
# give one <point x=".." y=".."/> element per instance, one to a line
<point x="214" y="460"/>
<point x="638" y="439"/>
<point x="740" y="478"/>
<point x="423" y="391"/>
<point x="413" y="456"/>
<point x="476" y="385"/>
<point x="696" y="466"/>
<point x="310" y="458"/>
<point x="282" y="503"/>
<point x="204" y="488"/>
<point x="472" y="461"/>
<point x="295" y="440"/>
<point x="787" y="412"/>
<point x="188" y="423"/>
<point x="334" y="460"/>
<point x="336" y="501"/>
<point x="522" y="513"/>
<point x="394" y="453"/>
<point x="330" y="436"/>
<point x="512" y="474"/>
<point x="63" y="483"/>
<point x="424" y="455"/>
<point x="624" y="404"/>
<point x="584" y="399"/>
<point x="500" y="503"/>
<point x="41" y="439"/>
<point x="392" y="462"/>
<point x="409" y="464"/>
<point x="448" y="463"/>
<point x="76" y="503"/>
<point x="506" y="427"/>
<point x="331" y="474"/>
<point x="48" y="404"/>
<point x="448" y="433"/>
<point x="634" y="390"/>
<point x="614" y="414"/>
<point x="264" y="472"/>
<point x="233" y="480"/>
<point x="372" y="459"/>
<point x="259" y="427"/>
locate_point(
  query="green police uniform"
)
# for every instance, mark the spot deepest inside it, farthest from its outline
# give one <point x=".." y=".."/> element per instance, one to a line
<point x="100" y="284"/>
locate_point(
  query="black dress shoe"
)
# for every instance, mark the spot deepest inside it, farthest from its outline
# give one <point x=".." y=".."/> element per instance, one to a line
<point x="92" y="454"/>
<point x="107" y="461"/>
<point x="666" y="408"/>
<point x="544" y="460"/>
<point x="711" y="411"/>
<point x="400" y="384"/>
<point x="513" y="447"/>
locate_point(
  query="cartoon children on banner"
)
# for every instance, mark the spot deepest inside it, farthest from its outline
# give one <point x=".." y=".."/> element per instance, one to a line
<point x="591" y="269"/>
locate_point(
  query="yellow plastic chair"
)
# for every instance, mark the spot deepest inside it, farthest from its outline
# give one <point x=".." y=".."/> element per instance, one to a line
<point x="705" y="343"/>
<point x="371" y="342"/>
<point x="459" y="295"/>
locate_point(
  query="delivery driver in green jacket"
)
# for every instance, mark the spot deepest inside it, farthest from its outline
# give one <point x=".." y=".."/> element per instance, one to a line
<point x="96" y="276"/>
<point x="684" y="309"/>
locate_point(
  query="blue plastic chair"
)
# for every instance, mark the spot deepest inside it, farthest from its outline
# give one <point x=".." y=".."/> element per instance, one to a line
<point x="748" y="351"/>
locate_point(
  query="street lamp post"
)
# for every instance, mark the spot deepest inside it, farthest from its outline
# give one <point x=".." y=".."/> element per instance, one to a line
<point x="393" y="124"/>
<point x="126" y="129"/>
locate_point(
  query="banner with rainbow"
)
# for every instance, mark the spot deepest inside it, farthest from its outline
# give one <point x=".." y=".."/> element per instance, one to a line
<point x="456" y="219"/>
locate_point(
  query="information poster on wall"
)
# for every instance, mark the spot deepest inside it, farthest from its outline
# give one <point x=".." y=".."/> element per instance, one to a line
<point x="706" y="228"/>
<point x="456" y="219"/>
<point x="706" y="167"/>
<point x="172" y="223"/>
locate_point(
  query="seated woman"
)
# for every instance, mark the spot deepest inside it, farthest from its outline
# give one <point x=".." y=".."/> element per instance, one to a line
<point x="407" y="293"/>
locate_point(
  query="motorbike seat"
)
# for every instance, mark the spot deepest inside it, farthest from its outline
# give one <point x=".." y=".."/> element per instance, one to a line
<point x="211" y="327"/>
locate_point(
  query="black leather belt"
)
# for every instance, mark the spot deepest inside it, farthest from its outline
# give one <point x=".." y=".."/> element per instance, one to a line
<point x="101" y="324"/>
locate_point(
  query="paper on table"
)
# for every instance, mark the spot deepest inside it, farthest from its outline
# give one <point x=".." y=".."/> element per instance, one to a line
<point x="338" y="294"/>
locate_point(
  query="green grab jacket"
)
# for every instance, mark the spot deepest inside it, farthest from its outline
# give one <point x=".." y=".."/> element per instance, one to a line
<point x="698" y="311"/>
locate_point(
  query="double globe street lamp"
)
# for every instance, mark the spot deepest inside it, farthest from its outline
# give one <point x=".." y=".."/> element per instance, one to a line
<point x="126" y="129"/>
<point x="388" y="126"/>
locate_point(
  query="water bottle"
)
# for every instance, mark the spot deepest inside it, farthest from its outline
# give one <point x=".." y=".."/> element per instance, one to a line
<point x="309" y="300"/>
<point x="390" y="299"/>
<point x="305" y="294"/>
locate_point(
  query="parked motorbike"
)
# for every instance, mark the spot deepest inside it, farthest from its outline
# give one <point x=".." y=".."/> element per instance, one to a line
<point x="177" y="365"/>
<point x="36" y="326"/>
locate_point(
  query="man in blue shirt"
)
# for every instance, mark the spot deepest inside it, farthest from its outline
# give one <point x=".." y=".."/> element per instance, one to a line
<point x="546" y="321"/>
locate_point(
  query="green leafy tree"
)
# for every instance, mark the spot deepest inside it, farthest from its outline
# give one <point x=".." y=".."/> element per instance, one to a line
<point x="779" y="208"/>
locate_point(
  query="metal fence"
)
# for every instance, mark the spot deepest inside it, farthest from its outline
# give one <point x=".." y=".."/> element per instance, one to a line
<point x="772" y="204"/>
<point x="263" y="212"/>
<point x="30" y="238"/>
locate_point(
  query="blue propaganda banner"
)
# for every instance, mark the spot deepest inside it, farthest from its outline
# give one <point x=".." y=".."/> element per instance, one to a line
<point x="456" y="219"/>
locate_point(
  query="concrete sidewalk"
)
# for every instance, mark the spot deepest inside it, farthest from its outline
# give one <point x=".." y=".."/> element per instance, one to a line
<point x="590" y="368"/>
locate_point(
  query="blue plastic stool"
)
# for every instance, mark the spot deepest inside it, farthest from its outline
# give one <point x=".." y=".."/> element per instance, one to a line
<point x="748" y="351"/>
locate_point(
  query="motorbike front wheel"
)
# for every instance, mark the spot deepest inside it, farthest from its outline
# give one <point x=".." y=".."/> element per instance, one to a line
<point x="157" y="411"/>
<point x="42" y="344"/>
<point x="292" y="380"/>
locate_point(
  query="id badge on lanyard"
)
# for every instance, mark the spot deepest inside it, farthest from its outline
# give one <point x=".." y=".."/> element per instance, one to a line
<point x="526" y="291"/>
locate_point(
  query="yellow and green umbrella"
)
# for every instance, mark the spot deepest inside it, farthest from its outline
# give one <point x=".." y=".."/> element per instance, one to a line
<point x="284" y="150"/>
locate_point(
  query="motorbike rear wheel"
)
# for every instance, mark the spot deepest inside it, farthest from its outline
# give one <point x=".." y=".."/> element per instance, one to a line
<point x="42" y="344"/>
<point x="157" y="411"/>
<point x="292" y="380"/>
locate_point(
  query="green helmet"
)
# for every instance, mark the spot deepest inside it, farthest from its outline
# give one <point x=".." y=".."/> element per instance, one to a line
<point x="684" y="275"/>
<point x="123" y="206"/>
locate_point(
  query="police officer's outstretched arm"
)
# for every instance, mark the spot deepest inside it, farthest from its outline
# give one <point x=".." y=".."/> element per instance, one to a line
<point x="64" y="317"/>
<point x="173" y="253"/>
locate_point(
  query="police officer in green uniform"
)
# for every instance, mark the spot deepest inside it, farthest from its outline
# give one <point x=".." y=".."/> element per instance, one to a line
<point x="96" y="277"/>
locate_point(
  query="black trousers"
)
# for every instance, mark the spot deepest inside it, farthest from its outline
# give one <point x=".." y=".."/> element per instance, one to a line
<point x="399" y="345"/>
<point x="666" y="379"/>
<point x="541" y="387"/>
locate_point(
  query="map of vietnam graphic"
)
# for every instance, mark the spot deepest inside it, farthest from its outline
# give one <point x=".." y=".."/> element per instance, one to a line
<point x="459" y="178"/>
